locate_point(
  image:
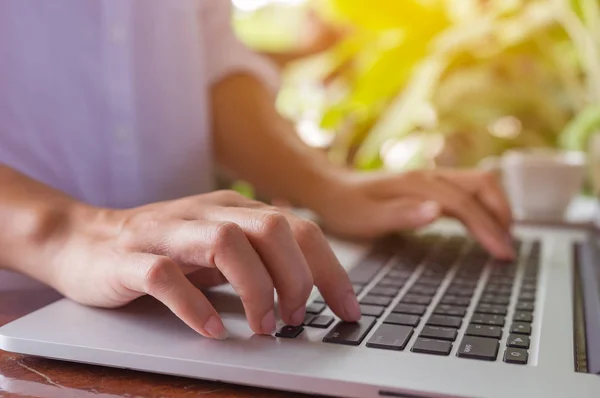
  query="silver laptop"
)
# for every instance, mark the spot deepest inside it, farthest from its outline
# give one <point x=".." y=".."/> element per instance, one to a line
<point x="441" y="319"/>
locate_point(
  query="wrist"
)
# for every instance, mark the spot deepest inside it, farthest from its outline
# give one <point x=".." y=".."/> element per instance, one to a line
<point x="326" y="187"/>
<point x="40" y="231"/>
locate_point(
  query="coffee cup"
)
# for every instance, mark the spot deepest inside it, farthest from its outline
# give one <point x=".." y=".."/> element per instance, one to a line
<point x="540" y="183"/>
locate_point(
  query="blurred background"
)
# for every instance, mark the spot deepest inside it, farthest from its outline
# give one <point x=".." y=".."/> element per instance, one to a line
<point x="401" y="84"/>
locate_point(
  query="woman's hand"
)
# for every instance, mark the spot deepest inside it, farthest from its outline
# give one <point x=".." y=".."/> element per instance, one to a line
<point x="111" y="257"/>
<point x="372" y="204"/>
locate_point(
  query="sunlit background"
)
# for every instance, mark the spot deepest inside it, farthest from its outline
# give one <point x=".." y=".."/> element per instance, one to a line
<point x="402" y="84"/>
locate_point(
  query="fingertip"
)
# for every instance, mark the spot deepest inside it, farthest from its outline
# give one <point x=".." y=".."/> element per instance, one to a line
<point x="429" y="210"/>
<point x="268" y="324"/>
<point x="215" y="328"/>
<point x="352" y="308"/>
<point x="297" y="317"/>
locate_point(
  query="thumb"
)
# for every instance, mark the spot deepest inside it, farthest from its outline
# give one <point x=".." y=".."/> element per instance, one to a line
<point x="407" y="214"/>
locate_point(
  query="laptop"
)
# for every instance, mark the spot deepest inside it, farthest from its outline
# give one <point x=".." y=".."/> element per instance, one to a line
<point x="440" y="319"/>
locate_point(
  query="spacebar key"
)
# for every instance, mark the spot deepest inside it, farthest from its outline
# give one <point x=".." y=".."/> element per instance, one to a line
<point x="350" y="333"/>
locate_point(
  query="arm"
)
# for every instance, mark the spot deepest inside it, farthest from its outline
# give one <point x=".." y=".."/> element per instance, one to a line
<point x="258" y="145"/>
<point x="108" y="258"/>
<point x="31" y="214"/>
<point x="254" y="142"/>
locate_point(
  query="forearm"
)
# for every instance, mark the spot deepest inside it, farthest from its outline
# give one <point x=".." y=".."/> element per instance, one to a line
<point x="31" y="214"/>
<point x="254" y="142"/>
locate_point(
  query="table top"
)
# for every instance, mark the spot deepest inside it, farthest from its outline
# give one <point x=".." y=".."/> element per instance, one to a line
<point x="38" y="377"/>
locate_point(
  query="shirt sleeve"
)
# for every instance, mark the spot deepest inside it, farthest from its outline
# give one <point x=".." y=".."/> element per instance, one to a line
<point x="226" y="54"/>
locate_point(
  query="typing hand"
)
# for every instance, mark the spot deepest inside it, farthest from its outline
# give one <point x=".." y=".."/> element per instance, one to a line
<point x="371" y="204"/>
<point x="118" y="256"/>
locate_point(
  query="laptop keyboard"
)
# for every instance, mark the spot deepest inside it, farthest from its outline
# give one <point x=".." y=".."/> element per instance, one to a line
<point x="443" y="291"/>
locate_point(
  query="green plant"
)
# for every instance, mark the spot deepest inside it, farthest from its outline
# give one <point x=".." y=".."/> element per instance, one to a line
<point x="432" y="82"/>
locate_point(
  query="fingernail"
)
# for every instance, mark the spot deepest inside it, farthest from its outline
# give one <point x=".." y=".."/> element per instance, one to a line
<point x="298" y="316"/>
<point x="352" y="308"/>
<point x="268" y="323"/>
<point x="429" y="210"/>
<point x="215" y="328"/>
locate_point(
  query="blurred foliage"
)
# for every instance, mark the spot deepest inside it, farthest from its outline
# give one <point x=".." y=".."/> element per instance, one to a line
<point x="417" y="83"/>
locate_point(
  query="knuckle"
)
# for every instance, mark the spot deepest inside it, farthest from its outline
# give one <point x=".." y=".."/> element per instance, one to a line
<point x="130" y="233"/>
<point x="158" y="275"/>
<point x="271" y="223"/>
<point x="307" y="231"/>
<point x="230" y="195"/>
<point x="226" y="233"/>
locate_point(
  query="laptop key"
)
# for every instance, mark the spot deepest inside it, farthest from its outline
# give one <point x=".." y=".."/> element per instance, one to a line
<point x="416" y="299"/>
<point x="390" y="282"/>
<point x="399" y="273"/>
<point x="523" y="316"/>
<point x="444" y="309"/>
<point x="357" y="289"/>
<point x="494" y="299"/>
<point x="315" y="308"/>
<point x="521" y="328"/>
<point x="494" y="332"/>
<point x="430" y="346"/>
<point x="384" y="291"/>
<point x="529" y="287"/>
<point x="366" y="270"/>
<point x="411" y="309"/>
<point x="307" y="318"/>
<point x="458" y="301"/>
<point x="527" y="296"/>
<point x="434" y="281"/>
<point x="460" y="291"/>
<point x="289" y="332"/>
<point x="465" y="283"/>
<point x="524" y="306"/>
<point x="376" y="300"/>
<point x="439" y="333"/>
<point x="497" y="292"/>
<point x="390" y="337"/>
<point x="487" y="319"/>
<point x="321" y="321"/>
<point x="371" y="310"/>
<point x="502" y="280"/>
<point x="445" y="321"/>
<point x="350" y="333"/>
<point x="478" y="348"/>
<point x="518" y="341"/>
<point x="423" y="290"/>
<point x="516" y="355"/>
<point x="485" y="308"/>
<point x="403" y="319"/>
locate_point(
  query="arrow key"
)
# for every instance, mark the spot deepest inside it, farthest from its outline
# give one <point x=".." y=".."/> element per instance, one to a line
<point x="518" y="341"/>
<point x="515" y="355"/>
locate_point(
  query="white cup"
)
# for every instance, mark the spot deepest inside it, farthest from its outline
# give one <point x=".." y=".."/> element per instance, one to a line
<point x="540" y="183"/>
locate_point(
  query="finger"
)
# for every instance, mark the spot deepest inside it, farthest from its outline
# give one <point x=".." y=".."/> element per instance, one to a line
<point x="402" y="214"/>
<point x="328" y="274"/>
<point x="271" y="236"/>
<point x="486" y="187"/>
<point x="460" y="204"/>
<point x="221" y="245"/>
<point x="161" y="278"/>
